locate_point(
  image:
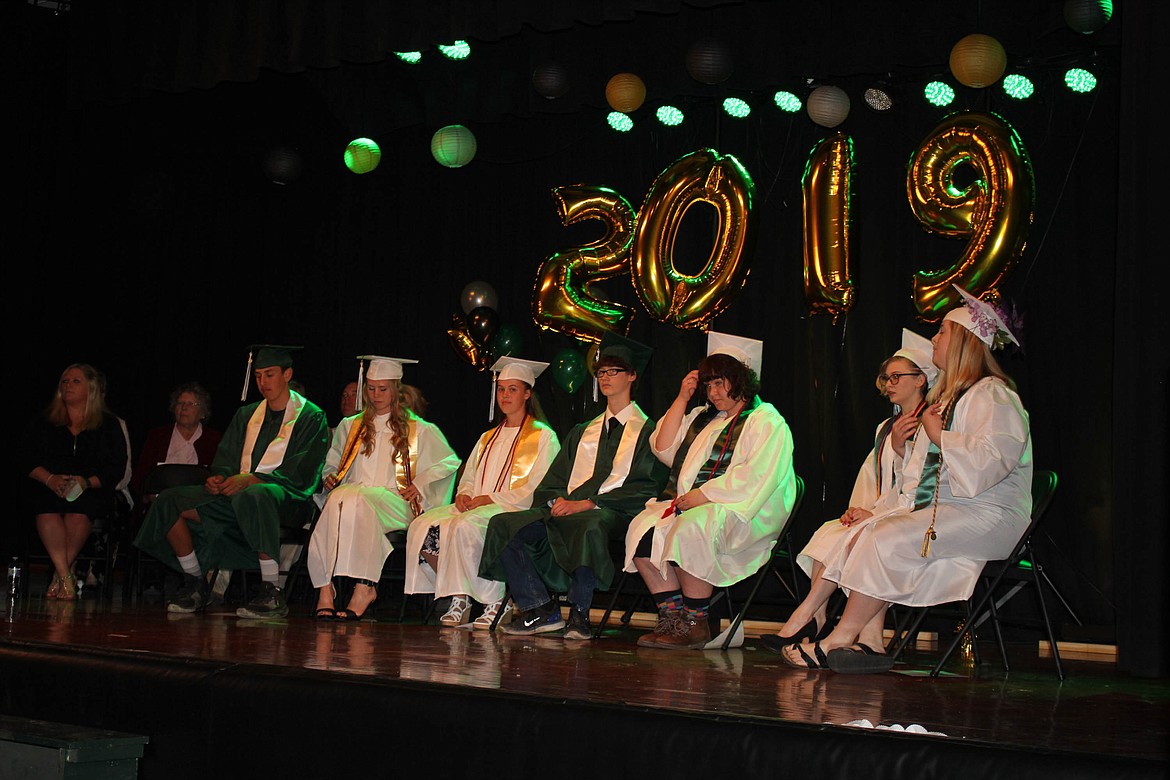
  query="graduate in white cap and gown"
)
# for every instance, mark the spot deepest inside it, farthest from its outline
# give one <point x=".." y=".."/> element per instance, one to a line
<point x="963" y="497"/>
<point x="731" y="491"/>
<point x="904" y="379"/>
<point x="603" y="475"/>
<point x="502" y="472"/>
<point x="385" y="467"/>
<point x="267" y="465"/>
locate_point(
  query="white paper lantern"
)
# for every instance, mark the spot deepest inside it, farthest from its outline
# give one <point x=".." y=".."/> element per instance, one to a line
<point x="453" y="146"/>
<point x="828" y="106"/>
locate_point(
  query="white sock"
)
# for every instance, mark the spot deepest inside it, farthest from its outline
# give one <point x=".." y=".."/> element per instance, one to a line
<point x="269" y="570"/>
<point x="190" y="564"/>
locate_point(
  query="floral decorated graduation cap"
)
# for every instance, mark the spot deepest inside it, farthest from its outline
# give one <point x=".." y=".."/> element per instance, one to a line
<point x="919" y="351"/>
<point x="982" y="319"/>
<point x="266" y="356"/>
<point x="381" y="367"/>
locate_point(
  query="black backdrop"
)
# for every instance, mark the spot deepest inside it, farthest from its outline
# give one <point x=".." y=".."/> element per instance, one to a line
<point x="158" y="249"/>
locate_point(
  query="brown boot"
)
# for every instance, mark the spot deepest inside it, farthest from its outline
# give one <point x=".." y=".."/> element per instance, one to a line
<point x="689" y="634"/>
<point x="667" y="620"/>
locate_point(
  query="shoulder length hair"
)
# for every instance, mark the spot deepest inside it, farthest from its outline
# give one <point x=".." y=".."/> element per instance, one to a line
<point x="968" y="361"/>
<point x="95" y="400"/>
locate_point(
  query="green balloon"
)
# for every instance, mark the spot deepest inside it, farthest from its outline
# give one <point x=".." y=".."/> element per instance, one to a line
<point x="507" y="341"/>
<point x="568" y="370"/>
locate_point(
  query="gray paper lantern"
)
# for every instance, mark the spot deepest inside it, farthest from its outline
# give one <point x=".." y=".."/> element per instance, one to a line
<point x="550" y="80"/>
<point x="709" y="61"/>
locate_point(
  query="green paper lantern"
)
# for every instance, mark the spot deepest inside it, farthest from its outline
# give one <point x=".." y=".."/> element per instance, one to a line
<point x="453" y="146"/>
<point x="362" y="155"/>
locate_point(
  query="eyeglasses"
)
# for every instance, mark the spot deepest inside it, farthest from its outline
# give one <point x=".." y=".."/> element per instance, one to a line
<point x="893" y="379"/>
<point x="610" y="371"/>
<point x="187" y="404"/>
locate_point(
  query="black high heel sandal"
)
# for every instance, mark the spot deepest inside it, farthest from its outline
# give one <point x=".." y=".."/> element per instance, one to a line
<point x="349" y="615"/>
<point x="777" y="643"/>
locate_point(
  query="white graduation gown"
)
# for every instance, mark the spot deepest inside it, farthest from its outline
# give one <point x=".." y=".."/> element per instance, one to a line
<point x="730" y="538"/>
<point x="461" y="534"/>
<point x="984" y="504"/>
<point x="349" y="539"/>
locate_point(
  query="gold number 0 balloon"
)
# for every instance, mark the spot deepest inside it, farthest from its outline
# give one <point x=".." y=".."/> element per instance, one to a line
<point x="693" y="301"/>
<point x="828" y="287"/>
<point x="994" y="211"/>
<point x="563" y="300"/>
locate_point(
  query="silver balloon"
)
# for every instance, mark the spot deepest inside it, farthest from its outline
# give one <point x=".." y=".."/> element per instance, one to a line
<point x="477" y="294"/>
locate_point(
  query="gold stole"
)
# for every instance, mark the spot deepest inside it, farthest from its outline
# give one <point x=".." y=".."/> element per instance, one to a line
<point x="353" y="445"/>
<point x="274" y="453"/>
<point x="519" y="466"/>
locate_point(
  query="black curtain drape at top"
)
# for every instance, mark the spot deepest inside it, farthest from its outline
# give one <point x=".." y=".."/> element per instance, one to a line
<point x="159" y="249"/>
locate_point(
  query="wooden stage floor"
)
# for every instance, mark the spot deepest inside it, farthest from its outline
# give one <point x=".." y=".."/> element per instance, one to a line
<point x="1096" y="712"/>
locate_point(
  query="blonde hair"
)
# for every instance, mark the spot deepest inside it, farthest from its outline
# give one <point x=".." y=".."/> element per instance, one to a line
<point x="881" y="388"/>
<point x="95" y="401"/>
<point x="968" y="361"/>
<point x="399" y="428"/>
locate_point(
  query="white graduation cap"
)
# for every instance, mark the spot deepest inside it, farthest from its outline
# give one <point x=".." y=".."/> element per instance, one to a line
<point x="381" y="367"/>
<point x="919" y="351"/>
<point x="509" y="367"/>
<point x="750" y="352"/>
<point x="982" y="319"/>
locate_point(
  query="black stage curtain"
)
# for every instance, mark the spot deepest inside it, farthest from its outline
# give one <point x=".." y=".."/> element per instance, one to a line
<point x="159" y="249"/>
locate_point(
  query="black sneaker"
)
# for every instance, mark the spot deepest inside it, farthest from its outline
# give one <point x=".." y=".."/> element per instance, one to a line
<point x="541" y="620"/>
<point x="192" y="597"/>
<point x="578" y="625"/>
<point x="269" y="603"/>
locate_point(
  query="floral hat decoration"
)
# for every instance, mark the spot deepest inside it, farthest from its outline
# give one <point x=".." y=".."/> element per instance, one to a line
<point x="982" y="319"/>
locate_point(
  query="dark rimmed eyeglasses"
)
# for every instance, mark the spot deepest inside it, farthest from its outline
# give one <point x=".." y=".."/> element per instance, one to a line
<point x="610" y="371"/>
<point x="893" y="379"/>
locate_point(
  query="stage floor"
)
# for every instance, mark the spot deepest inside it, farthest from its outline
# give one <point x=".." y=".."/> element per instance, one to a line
<point x="1095" y="711"/>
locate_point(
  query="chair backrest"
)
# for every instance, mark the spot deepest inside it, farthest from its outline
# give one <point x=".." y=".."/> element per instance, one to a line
<point x="1043" y="488"/>
<point x="168" y="475"/>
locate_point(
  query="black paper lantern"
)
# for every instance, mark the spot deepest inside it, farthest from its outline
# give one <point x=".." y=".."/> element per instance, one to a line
<point x="550" y="80"/>
<point x="1087" y="16"/>
<point x="282" y="165"/>
<point x="709" y="61"/>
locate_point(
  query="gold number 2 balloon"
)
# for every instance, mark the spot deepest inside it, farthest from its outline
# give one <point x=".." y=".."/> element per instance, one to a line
<point x="563" y="300"/>
<point x="971" y="178"/>
<point x="828" y="286"/>
<point x="692" y="301"/>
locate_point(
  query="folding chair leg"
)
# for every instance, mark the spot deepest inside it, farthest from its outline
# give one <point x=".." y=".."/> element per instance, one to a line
<point x="1048" y="623"/>
<point x="609" y="609"/>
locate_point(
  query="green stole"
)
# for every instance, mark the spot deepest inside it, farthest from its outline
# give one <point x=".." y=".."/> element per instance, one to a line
<point x="721" y="450"/>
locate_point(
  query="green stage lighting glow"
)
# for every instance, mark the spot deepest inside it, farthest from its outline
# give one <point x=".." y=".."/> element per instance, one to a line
<point x="460" y="50"/>
<point x="409" y="56"/>
<point x="734" y="107"/>
<point x="1018" y="87"/>
<point x="939" y="93"/>
<point x="620" y="122"/>
<point x="786" y="101"/>
<point x="1080" y="80"/>
<point x="669" y="116"/>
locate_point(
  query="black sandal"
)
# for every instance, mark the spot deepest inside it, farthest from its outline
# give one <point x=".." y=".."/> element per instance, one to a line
<point x="349" y="615"/>
<point x="325" y="613"/>
<point x="820" y="664"/>
<point x="859" y="659"/>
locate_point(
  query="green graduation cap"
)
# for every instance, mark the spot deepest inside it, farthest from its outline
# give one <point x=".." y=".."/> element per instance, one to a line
<point x="628" y="351"/>
<point x="266" y="356"/>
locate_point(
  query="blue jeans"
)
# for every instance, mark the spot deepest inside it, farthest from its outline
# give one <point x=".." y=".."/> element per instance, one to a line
<point x="524" y="582"/>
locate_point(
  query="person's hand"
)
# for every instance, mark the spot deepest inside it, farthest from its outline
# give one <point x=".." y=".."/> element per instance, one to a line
<point x="463" y="502"/>
<point x="902" y="431"/>
<point x="411" y="493"/>
<point x="236" y="484"/>
<point x="214" y="484"/>
<point x="689" y="384"/>
<point x="563" y="506"/>
<point x="932" y="423"/>
<point x="854" y="514"/>
<point x="691" y="499"/>
<point x="330" y="481"/>
<point x="59" y="484"/>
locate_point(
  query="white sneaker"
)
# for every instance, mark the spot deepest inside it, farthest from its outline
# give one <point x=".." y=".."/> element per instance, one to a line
<point x="484" y="621"/>
<point x="458" y="613"/>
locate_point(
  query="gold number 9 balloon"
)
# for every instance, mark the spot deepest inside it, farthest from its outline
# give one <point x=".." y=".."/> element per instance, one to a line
<point x="993" y="212"/>
<point x="828" y="286"/>
<point x="563" y="300"/>
<point x="692" y="301"/>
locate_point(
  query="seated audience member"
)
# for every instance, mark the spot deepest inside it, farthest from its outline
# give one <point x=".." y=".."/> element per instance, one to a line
<point x="74" y="455"/>
<point x="731" y="490"/>
<point x="386" y="466"/>
<point x="501" y="474"/>
<point x="267" y="465"/>
<point x="187" y="440"/>
<point x="601" y="477"/>
<point x="963" y="497"/>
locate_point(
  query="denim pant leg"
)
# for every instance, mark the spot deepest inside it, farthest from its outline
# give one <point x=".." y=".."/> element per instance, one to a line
<point x="524" y="582"/>
<point x="582" y="587"/>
